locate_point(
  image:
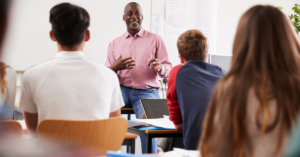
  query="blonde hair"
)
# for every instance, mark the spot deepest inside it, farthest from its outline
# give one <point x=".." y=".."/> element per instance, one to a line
<point x="3" y="81"/>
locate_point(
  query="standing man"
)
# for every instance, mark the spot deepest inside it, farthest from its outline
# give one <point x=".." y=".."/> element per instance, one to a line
<point x="129" y="56"/>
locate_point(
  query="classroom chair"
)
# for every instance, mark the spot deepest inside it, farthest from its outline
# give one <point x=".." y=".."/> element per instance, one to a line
<point x="96" y="137"/>
<point x="129" y="141"/>
<point x="10" y="128"/>
<point x="128" y="111"/>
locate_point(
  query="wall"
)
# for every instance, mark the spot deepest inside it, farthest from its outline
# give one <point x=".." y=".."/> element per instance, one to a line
<point x="229" y="13"/>
<point x="28" y="42"/>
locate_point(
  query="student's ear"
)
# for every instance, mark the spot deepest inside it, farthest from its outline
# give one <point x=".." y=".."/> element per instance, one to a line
<point x="206" y="57"/>
<point x="87" y="35"/>
<point x="52" y="37"/>
<point x="182" y="61"/>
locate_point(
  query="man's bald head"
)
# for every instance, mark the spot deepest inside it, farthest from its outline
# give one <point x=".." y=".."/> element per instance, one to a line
<point x="132" y="3"/>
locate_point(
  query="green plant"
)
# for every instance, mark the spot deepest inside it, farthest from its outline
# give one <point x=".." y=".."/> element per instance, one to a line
<point x="295" y="18"/>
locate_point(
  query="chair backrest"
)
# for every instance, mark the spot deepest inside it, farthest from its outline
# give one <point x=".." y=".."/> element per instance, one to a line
<point x="97" y="135"/>
<point x="10" y="128"/>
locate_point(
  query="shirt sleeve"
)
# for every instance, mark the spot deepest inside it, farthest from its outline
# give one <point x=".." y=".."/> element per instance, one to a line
<point x="162" y="55"/>
<point x="27" y="101"/>
<point x="117" y="101"/>
<point x="110" y="56"/>
<point x="175" y="114"/>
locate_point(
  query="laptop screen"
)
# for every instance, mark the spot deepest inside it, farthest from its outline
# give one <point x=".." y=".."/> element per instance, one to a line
<point x="221" y="61"/>
<point x="155" y="108"/>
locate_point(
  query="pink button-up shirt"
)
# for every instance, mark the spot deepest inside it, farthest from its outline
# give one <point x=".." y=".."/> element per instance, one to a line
<point x="140" y="48"/>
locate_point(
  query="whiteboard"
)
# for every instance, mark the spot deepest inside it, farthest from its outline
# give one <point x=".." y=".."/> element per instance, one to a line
<point x="28" y="42"/>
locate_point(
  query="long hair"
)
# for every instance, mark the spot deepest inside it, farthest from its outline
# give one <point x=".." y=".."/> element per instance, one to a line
<point x="4" y="7"/>
<point x="265" y="59"/>
<point x="3" y="81"/>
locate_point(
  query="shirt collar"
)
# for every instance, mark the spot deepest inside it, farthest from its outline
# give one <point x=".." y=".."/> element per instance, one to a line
<point x="140" y="33"/>
<point x="70" y="54"/>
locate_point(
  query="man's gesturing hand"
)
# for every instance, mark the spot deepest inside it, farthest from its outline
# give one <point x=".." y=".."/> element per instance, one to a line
<point x="121" y="64"/>
<point x="156" y="64"/>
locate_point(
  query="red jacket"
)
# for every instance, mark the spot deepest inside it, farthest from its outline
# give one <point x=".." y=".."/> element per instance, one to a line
<point x="175" y="114"/>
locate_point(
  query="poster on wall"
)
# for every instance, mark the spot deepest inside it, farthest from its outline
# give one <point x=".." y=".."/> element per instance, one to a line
<point x="157" y="23"/>
<point x="206" y="14"/>
<point x="177" y="22"/>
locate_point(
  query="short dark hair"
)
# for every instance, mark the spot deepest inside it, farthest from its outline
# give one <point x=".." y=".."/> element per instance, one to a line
<point x="192" y="45"/>
<point x="132" y="3"/>
<point x="69" y="23"/>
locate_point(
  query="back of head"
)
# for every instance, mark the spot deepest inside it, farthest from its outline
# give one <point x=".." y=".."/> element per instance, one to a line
<point x="265" y="59"/>
<point x="69" y="23"/>
<point x="192" y="45"/>
<point x="4" y="6"/>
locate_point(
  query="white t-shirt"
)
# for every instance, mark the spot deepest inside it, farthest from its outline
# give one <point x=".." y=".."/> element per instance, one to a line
<point x="71" y="87"/>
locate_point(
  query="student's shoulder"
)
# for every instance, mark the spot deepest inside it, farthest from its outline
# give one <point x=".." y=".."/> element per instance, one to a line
<point x="218" y="70"/>
<point x="173" y="73"/>
<point x="9" y="69"/>
<point x="100" y="68"/>
<point x="175" y="69"/>
<point x="38" y="69"/>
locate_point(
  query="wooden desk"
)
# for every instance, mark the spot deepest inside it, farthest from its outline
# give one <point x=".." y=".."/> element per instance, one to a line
<point x="127" y="111"/>
<point x="149" y="134"/>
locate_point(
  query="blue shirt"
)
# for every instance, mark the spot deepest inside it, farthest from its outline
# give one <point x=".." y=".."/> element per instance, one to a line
<point x="194" y="87"/>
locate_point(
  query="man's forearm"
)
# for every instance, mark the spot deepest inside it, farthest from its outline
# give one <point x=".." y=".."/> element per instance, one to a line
<point x="165" y="70"/>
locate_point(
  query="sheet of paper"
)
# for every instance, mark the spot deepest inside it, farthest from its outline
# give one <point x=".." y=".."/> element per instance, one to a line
<point x="157" y="23"/>
<point x="159" y="122"/>
<point x="206" y="14"/>
<point x="134" y="123"/>
<point x="176" y="152"/>
<point x="177" y="22"/>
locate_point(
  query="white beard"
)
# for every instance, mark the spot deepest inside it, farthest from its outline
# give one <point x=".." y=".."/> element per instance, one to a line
<point x="134" y="26"/>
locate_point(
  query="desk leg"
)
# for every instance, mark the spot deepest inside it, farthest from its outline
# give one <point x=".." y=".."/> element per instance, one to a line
<point x="132" y="146"/>
<point x="128" y="116"/>
<point x="149" y="144"/>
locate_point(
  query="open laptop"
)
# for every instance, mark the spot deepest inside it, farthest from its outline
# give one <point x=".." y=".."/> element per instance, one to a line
<point x="155" y="108"/>
<point x="223" y="61"/>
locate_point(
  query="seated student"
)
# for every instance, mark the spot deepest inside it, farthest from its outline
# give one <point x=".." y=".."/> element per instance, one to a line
<point x="255" y="105"/>
<point x="7" y="74"/>
<point x="7" y="91"/>
<point x="70" y="86"/>
<point x="190" y="86"/>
